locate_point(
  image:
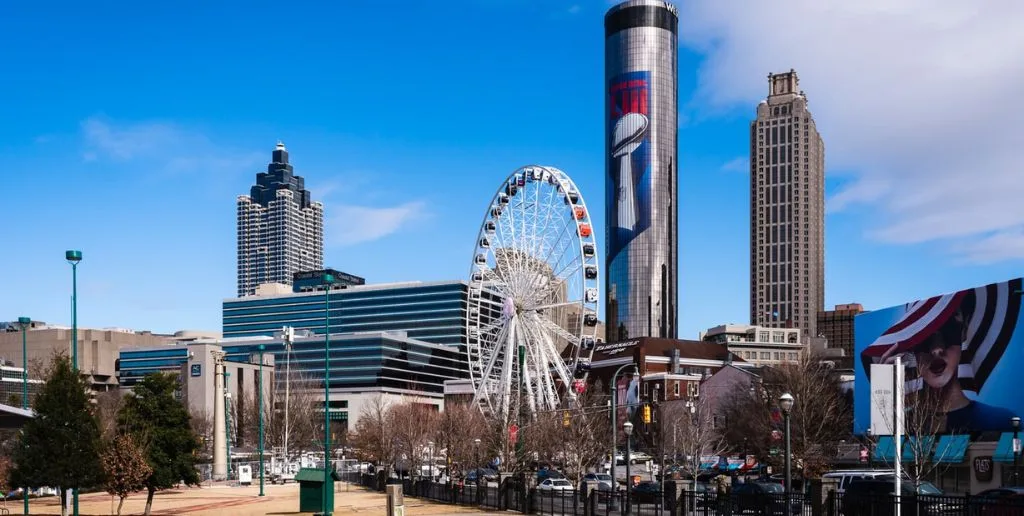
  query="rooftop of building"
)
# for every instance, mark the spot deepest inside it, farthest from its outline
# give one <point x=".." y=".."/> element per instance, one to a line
<point x="652" y="347"/>
<point x="350" y="289"/>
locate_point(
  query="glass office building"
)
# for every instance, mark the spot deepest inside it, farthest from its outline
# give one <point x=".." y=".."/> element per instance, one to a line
<point x="641" y="185"/>
<point x="432" y="312"/>
<point x="358" y="361"/>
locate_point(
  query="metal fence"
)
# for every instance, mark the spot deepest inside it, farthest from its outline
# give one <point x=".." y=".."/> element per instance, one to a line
<point x="511" y="496"/>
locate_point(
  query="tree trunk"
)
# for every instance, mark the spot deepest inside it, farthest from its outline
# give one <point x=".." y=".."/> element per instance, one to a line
<point x="63" y="501"/>
<point x="149" y="500"/>
<point x="120" y="504"/>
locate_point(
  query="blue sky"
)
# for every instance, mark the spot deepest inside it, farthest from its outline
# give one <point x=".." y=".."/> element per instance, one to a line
<point x="130" y="128"/>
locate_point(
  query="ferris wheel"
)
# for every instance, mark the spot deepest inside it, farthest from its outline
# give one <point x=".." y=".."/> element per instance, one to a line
<point x="534" y="295"/>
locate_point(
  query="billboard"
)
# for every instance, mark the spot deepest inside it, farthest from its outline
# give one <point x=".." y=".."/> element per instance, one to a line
<point x="629" y="146"/>
<point x="961" y="350"/>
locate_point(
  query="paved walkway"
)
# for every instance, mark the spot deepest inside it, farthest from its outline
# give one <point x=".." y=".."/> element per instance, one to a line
<point x="219" y="500"/>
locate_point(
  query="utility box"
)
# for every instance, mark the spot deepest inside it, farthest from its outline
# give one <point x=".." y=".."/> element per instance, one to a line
<point x="245" y="474"/>
<point x="311" y="489"/>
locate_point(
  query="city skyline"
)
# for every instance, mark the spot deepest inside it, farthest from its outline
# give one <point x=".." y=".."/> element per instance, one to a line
<point x="917" y="206"/>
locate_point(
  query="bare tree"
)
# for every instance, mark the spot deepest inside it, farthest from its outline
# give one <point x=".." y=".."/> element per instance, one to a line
<point x="374" y="436"/>
<point x="416" y="426"/>
<point x="689" y="433"/>
<point x="107" y="404"/>
<point x="202" y="424"/>
<point x="750" y="418"/>
<point x="923" y="421"/>
<point x="584" y="436"/>
<point x="458" y="428"/>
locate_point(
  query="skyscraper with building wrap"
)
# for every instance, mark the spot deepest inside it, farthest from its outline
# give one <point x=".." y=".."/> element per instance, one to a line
<point x="641" y="148"/>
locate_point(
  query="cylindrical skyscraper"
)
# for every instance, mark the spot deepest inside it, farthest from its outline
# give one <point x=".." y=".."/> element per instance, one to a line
<point x="640" y="185"/>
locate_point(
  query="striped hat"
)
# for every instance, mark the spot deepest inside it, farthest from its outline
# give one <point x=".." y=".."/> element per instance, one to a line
<point x="987" y="316"/>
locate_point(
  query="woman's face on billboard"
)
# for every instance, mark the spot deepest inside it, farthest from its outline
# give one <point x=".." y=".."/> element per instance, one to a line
<point x="937" y="363"/>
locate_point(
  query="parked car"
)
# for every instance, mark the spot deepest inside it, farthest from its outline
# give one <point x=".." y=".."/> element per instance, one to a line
<point x="604" y="480"/>
<point x="648" y="492"/>
<point x="547" y="473"/>
<point x="845" y="477"/>
<point x="1002" y="501"/>
<point x="485" y="474"/>
<point x="875" y="496"/>
<point x="555" y="486"/>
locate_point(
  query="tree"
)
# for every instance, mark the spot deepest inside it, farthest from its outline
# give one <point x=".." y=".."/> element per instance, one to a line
<point x="107" y="404"/>
<point x="923" y="421"/>
<point x="584" y="442"/>
<point x="689" y="433"/>
<point x="163" y="427"/>
<point x="820" y="417"/>
<point x="416" y="426"/>
<point x="457" y="430"/>
<point x="125" y="467"/>
<point x="61" y="445"/>
<point x="374" y="436"/>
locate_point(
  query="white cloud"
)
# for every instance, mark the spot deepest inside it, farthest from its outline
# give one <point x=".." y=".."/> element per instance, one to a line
<point x="736" y="165"/>
<point x="358" y="224"/>
<point x="171" y="148"/>
<point x="919" y="101"/>
<point x="999" y="246"/>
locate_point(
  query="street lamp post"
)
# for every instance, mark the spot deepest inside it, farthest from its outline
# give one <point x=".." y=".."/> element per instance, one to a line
<point x="615" y="388"/>
<point x="227" y="423"/>
<point x="73" y="257"/>
<point x="786" y="404"/>
<point x="627" y="428"/>
<point x="1015" y="423"/>
<point x="328" y="280"/>
<point x="24" y="322"/>
<point x="259" y="383"/>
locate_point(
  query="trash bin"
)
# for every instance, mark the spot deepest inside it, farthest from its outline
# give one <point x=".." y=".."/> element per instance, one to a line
<point x="311" y="489"/>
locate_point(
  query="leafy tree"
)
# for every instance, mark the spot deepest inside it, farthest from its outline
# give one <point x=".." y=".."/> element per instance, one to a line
<point x="161" y="423"/>
<point x="125" y="467"/>
<point x="61" y="445"/>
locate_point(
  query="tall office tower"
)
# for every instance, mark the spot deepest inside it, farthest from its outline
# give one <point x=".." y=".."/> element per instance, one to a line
<point x="787" y="210"/>
<point x="640" y="186"/>
<point x="280" y="231"/>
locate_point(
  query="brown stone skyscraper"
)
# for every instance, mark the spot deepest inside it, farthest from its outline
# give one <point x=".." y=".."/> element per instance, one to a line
<point x="787" y="210"/>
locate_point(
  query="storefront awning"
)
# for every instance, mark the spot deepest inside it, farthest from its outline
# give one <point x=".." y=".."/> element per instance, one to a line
<point x="885" y="449"/>
<point x="951" y="448"/>
<point x="1004" y="448"/>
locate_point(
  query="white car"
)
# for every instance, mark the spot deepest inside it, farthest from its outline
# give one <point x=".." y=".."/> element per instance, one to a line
<point x="555" y="485"/>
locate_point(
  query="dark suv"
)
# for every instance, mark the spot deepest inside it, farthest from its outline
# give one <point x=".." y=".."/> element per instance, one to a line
<point x="875" y="496"/>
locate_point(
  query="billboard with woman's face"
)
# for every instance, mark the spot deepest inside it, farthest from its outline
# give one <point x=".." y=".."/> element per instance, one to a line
<point x="962" y="353"/>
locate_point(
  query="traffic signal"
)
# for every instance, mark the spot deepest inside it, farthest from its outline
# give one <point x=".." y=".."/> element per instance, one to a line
<point x="647" y="414"/>
<point x="565" y="419"/>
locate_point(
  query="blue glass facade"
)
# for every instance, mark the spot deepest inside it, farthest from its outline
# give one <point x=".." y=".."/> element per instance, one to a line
<point x="431" y="312"/>
<point x="357" y="361"/>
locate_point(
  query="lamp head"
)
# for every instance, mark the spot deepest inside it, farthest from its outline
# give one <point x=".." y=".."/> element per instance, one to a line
<point x="476" y="441"/>
<point x="1015" y="422"/>
<point x="73" y="256"/>
<point x="328" y="279"/>
<point x="628" y="428"/>
<point x="786" y="402"/>
<point x="261" y="348"/>
<point x="23" y="321"/>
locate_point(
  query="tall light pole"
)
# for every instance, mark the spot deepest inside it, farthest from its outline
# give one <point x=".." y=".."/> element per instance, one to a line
<point x="259" y="383"/>
<point x="227" y="424"/>
<point x="627" y="428"/>
<point x="430" y="445"/>
<point x="328" y="280"/>
<point x="786" y="404"/>
<point x="73" y="257"/>
<point x="615" y="422"/>
<point x="1015" y="423"/>
<point x="24" y="322"/>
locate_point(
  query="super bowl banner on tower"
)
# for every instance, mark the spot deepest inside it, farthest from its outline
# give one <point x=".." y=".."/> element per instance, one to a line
<point x="629" y="163"/>
<point x="961" y="354"/>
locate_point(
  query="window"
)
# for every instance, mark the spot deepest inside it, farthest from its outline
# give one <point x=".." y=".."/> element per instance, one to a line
<point x="763" y="337"/>
<point x="675" y="389"/>
<point x="775" y="356"/>
<point x="766" y="355"/>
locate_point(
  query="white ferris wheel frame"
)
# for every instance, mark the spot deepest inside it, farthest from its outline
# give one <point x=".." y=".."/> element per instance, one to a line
<point x="496" y="319"/>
